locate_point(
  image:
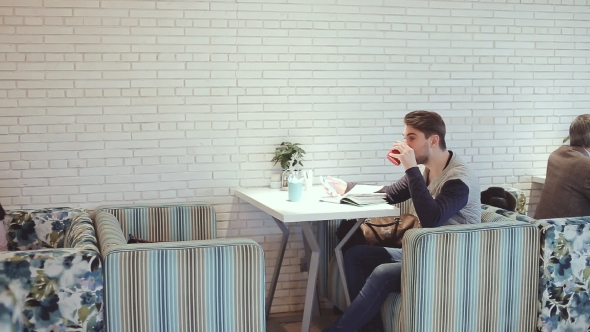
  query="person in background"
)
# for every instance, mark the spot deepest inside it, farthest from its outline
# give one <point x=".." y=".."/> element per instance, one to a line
<point x="566" y="192"/>
<point x="447" y="193"/>
<point x="3" y="241"/>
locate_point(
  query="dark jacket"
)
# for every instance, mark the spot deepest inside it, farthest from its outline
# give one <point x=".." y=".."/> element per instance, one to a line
<point x="566" y="192"/>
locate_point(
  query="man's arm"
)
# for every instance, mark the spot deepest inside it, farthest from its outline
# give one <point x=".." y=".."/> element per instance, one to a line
<point x="395" y="193"/>
<point x="434" y="212"/>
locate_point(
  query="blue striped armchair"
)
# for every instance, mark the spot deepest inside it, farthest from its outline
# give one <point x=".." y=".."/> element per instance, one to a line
<point x="188" y="281"/>
<point x="479" y="277"/>
<point x="486" y="277"/>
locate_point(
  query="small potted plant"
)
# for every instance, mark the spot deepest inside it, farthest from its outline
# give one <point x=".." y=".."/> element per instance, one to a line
<point x="290" y="156"/>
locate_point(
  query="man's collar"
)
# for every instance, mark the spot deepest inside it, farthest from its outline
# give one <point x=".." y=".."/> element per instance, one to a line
<point x="581" y="150"/>
<point x="449" y="160"/>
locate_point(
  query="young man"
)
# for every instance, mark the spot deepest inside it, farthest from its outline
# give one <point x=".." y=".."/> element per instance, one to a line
<point x="566" y="192"/>
<point x="447" y="193"/>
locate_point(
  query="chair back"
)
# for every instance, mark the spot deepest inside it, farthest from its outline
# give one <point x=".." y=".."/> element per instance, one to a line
<point x="166" y="222"/>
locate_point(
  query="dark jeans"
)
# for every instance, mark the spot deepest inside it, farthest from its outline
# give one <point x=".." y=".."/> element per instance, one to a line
<point x="372" y="273"/>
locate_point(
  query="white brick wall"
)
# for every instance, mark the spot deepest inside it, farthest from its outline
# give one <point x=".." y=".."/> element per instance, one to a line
<point x="134" y="101"/>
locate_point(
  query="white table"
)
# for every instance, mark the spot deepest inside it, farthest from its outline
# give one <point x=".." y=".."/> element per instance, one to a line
<point x="275" y="202"/>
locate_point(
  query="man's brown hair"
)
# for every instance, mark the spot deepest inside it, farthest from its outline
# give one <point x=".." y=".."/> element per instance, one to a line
<point x="430" y="123"/>
<point x="580" y="131"/>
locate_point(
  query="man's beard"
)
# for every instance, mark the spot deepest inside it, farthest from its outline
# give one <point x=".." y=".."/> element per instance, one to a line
<point x="421" y="160"/>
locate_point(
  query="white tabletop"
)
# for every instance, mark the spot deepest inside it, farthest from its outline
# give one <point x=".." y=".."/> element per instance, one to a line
<point x="275" y="202"/>
<point x="539" y="179"/>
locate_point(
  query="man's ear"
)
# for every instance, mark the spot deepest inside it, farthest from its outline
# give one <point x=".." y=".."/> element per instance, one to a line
<point x="435" y="140"/>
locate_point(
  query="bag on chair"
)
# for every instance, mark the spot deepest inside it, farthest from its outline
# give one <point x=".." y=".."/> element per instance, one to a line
<point x="381" y="231"/>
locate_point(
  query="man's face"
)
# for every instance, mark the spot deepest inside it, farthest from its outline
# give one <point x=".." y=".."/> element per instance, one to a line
<point x="419" y="143"/>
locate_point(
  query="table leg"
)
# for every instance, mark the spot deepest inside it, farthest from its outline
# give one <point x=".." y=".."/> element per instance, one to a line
<point x="279" y="262"/>
<point x="307" y="249"/>
<point x="312" y="275"/>
<point x="340" y="260"/>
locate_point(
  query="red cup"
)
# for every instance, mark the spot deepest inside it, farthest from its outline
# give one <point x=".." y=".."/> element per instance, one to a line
<point x="393" y="160"/>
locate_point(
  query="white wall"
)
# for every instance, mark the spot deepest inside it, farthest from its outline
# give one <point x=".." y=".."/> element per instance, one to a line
<point x="152" y="101"/>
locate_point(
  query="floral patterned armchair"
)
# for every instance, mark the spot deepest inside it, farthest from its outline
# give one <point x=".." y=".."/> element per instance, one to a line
<point x="564" y="287"/>
<point x="564" y="284"/>
<point x="51" y="279"/>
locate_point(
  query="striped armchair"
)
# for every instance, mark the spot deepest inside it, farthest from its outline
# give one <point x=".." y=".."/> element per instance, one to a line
<point x="189" y="281"/>
<point x="479" y="277"/>
<point x="329" y="281"/>
<point x="479" y="296"/>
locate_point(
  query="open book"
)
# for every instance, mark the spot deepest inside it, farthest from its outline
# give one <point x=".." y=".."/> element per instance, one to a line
<point x="359" y="195"/>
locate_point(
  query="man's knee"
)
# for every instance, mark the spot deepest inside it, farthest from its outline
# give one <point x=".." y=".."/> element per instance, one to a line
<point x="388" y="275"/>
<point x="354" y="253"/>
<point x="391" y="270"/>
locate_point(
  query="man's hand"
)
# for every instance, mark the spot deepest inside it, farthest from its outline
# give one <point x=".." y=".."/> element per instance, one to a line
<point x="337" y="184"/>
<point x="406" y="154"/>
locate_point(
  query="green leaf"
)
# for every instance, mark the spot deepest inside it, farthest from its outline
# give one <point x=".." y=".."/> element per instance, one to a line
<point x="53" y="237"/>
<point x="83" y="313"/>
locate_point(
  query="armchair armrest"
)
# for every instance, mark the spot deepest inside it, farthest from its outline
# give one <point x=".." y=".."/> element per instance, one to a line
<point x="470" y="278"/>
<point x="60" y="288"/>
<point x="508" y="214"/>
<point x="108" y="231"/>
<point x="81" y="234"/>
